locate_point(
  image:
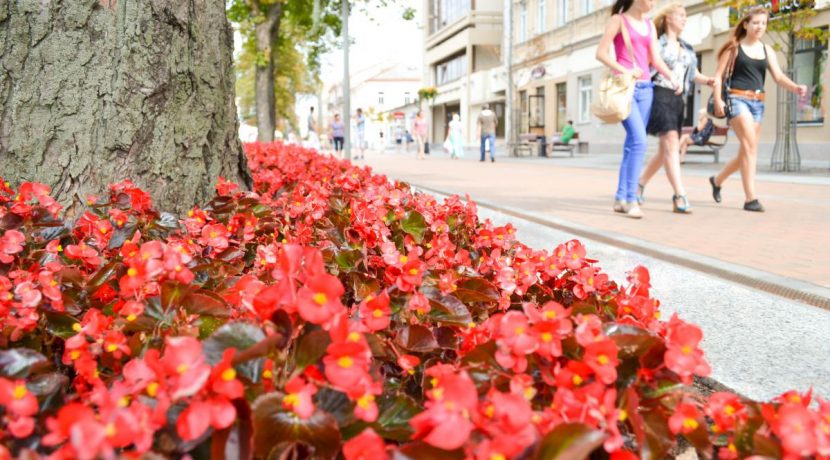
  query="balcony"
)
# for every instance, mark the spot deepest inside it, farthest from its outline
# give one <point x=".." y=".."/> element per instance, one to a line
<point x="474" y="18"/>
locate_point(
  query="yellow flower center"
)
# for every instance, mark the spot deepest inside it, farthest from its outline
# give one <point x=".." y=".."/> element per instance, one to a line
<point x="365" y="400"/>
<point x="132" y="272"/>
<point x="549" y="314"/>
<point x="152" y="389"/>
<point x="20" y="391"/>
<point x="102" y="229"/>
<point x="228" y="374"/>
<point x="577" y="380"/>
<point x="529" y="393"/>
<point x="110" y="430"/>
<point x="345" y="362"/>
<point x="353" y="337"/>
<point x="111" y="347"/>
<point x="74" y="354"/>
<point x="519" y="331"/>
<point x="182" y="368"/>
<point x="131" y="317"/>
<point x="497" y="456"/>
<point x="602" y="360"/>
<point x="377" y="313"/>
<point x="320" y="298"/>
<point x="404" y="259"/>
<point x="729" y="410"/>
<point x="547" y="337"/>
<point x="77" y="327"/>
<point x="687" y="350"/>
<point x="690" y="424"/>
<point x="490" y="411"/>
<point x="413" y="271"/>
<point x="291" y="399"/>
<point x="124" y="401"/>
<point x="267" y="374"/>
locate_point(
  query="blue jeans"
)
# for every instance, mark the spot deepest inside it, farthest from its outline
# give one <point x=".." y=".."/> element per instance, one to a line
<point x="492" y="138"/>
<point x="634" y="149"/>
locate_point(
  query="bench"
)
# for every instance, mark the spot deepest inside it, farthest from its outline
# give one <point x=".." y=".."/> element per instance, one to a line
<point x="716" y="142"/>
<point x="573" y="144"/>
<point x="523" y="144"/>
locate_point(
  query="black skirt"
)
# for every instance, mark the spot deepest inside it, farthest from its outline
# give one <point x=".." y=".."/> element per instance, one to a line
<point x="666" y="112"/>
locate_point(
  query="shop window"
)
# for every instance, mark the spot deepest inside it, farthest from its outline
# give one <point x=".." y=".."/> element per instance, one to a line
<point x="586" y="90"/>
<point x="810" y="66"/>
<point x="536" y="108"/>
<point x="561" y="106"/>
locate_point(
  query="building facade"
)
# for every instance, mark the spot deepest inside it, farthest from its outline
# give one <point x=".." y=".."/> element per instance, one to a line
<point x="375" y="90"/>
<point x="463" y="60"/>
<point x="556" y="74"/>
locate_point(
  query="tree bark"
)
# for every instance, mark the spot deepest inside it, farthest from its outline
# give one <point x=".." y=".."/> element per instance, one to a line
<point x="97" y="91"/>
<point x="266" y="37"/>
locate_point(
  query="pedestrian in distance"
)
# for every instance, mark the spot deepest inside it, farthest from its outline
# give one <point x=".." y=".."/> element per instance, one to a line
<point x="700" y="134"/>
<point x="360" y="131"/>
<point x="566" y="135"/>
<point x="338" y="133"/>
<point x="486" y="127"/>
<point x="313" y="138"/>
<point x="455" y="142"/>
<point x="749" y="58"/>
<point x="628" y="20"/>
<point x="419" y="133"/>
<point x="666" y="120"/>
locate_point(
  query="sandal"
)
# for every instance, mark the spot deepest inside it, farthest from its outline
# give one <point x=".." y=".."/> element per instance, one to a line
<point x="715" y="189"/>
<point x="640" y="191"/>
<point x="684" y="208"/>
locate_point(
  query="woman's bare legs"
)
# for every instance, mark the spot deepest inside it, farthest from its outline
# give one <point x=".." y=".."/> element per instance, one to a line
<point x="747" y="131"/>
<point x="669" y="144"/>
<point x="654" y="165"/>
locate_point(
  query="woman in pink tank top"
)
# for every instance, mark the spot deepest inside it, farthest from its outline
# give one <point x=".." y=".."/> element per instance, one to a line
<point x="646" y="54"/>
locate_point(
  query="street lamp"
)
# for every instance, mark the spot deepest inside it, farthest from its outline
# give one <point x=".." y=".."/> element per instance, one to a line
<point x="347" y="114"/>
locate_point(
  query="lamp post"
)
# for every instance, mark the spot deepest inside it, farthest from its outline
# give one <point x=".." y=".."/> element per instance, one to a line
<point x="347" y="114"/>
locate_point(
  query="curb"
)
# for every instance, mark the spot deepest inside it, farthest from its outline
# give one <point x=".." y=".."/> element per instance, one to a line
<point x="789" y="288"/>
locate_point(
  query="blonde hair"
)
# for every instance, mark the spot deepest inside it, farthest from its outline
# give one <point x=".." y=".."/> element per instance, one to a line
<point x="660" y="18"/>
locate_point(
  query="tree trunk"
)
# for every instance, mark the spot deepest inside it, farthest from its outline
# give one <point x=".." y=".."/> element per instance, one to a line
<point x="266" y="36"/>
<point x="97" y="91"/>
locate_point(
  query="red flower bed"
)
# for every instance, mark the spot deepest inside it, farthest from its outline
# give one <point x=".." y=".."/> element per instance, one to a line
<point x="333" y="312"/>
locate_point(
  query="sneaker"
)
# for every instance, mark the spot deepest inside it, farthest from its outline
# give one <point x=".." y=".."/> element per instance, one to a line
<point x="754" y="206"/>
<point x="634" y="211"/>
<point x="715" y="189"/>
<point x="619" y="206"/>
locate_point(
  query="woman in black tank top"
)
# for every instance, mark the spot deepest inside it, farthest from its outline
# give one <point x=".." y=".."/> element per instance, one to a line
<point x="751" y="60"/>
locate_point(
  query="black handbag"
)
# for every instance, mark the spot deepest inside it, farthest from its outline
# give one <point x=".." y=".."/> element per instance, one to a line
<point x="725" y="86"/>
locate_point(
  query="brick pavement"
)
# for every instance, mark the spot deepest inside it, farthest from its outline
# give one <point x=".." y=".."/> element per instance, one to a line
<point x="791" y="239"/>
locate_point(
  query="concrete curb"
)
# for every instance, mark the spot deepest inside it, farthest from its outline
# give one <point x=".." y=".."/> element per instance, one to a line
<point x="782" y="286"/>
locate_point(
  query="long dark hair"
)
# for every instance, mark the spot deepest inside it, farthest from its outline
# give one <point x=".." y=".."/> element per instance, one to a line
<point x="621" y="6"/>
<point x="739" y="32"/>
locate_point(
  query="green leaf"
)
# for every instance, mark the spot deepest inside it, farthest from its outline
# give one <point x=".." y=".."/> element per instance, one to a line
<point x="472" y="290"/>
<point x="570" y="441"/>
<point x="449" y="310"/>
<point x="206" y="303"/>
<point x="348" y="259"/>
<point x="413" y="224"/>
<point x="631" y="341"/>
<point x="20" y="362"/>
<point x="416" y="338"/>
<point x="395" y="412"/>
<point x="239" y="335"/>
<point x="422" y="451"/>
<point x="60" y="324"/>
<point x="273" y="426"/>
<point x="172" y="294"/>
<point x="311" y="347"/>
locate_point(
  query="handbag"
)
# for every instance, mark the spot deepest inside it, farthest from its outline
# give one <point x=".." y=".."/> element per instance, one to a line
<point x="613" y="103"/>
<point x="724" y="91"/>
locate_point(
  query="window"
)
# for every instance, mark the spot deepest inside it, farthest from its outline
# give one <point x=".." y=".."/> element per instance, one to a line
<point x="406" y="98"/>
<point x="537" y="108"/>
<point x="561" y="106"/>
<point x="523" y="111"/>
<point x="586" y="90"/>
<point x="449" y="11"/>
<point x="380" y="98"/>
<point x="810" y="65"/>
<point x="562" y="16"/>
<point x="587" y="6"/>
<point x="540" y="17"/>
<point x="451" y="70"/>
<point x="523" y="23"/>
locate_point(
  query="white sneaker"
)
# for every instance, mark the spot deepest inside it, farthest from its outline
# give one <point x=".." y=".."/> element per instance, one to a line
<point x="619" y="206"/>
<point x="633" y="211"/>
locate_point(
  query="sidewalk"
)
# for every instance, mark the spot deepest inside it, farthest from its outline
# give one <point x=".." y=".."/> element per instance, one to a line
<point x="790" y="239"/>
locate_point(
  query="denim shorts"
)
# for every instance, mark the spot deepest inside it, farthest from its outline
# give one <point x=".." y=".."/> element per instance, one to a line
<point x="741" y="105"/>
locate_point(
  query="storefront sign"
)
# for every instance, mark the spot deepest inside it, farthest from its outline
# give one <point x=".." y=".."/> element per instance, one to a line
<point x="537" y="72"/>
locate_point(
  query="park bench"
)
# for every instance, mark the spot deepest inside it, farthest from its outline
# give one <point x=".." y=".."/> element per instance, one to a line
<point x="716" y="142"/>
<point x="574" y="144"/>
<point x="523" y="145"/>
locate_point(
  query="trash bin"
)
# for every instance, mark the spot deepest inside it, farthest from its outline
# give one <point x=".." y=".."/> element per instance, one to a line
<point x="543" y="145"/>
